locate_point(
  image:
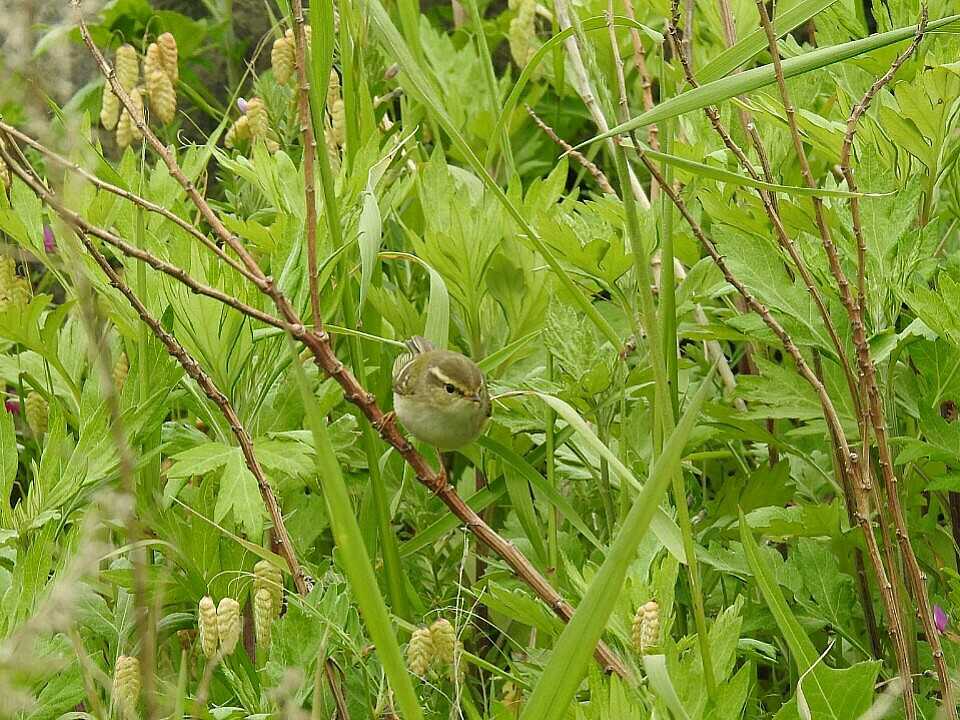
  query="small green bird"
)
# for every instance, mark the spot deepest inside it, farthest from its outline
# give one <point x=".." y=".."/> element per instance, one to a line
<point x="440" y="396"/>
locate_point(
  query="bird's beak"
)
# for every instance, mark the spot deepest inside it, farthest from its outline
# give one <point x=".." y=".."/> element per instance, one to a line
<point x="475" y="398"/>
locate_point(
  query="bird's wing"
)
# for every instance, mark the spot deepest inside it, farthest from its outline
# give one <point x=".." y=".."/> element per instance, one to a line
<point x="416" y="346"/>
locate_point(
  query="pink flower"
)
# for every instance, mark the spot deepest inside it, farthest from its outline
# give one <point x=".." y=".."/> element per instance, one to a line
<point x="242" y="105"/>
<point x="12" y="406"/>
<point x="49" y="240"/>
<point x="940" y="618"/>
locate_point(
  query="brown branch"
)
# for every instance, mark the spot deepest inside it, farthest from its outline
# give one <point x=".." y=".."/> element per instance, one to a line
<point x="318" y="342"/>
<point x="127" y="195"/>
<point x="189" y="364"/>
<point x="309" y="155"/>
<point x="868" y="372"/>
<point x="575" y="154"/>
<point x="850" y="460"/>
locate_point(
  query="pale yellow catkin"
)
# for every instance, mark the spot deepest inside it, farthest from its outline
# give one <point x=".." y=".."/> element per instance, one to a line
<point x="333" y="150"/>
<point x="333" y="88"/>
<point x="338" y="122"/>
<point x="109" y="108"/>
<point x="512" y="697"/>
<point x="229" y="624"/>
<point x="444" y="640"/>
<point x="126" y="685"/>
<point x="127" y="130"/>
<point x="163" y="99"/>
<point x="646" y="628"/>
<point x="207" y="622"/>
<point x="268" y="576"/>
<point x="14" y="290"/>
<point x="36" y="412"/>
<point x="282" y="59"/>
<point x="4" y="174"/>
<point x="420" y="651"/>
<point x="238" y="132"/>
<point x="127" y="65"/>
<point x="262" y="617"/>
<point x="169" y="55"/>
<point x="120" y="369"/>
<point x="257" y="116"/>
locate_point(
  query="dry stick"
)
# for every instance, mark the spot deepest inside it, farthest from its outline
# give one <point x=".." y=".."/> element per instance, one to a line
<point x="309" y="155"/>
<point x="318" y="342"/>
<point x="849" y="459"/>
<point x="156" y="263"/>
<point x="646" y="84"/>
<point x="771" y="210"/>
<point x="870" y="389"/>
<point x="581" y="81"/>
<point x="591" y="167"/>
<point x="188" y="363"/>
<point x="127" y="195"/>
<point x="868" y="370"/>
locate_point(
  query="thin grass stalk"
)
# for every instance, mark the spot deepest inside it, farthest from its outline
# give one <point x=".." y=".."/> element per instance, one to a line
<point x="486" y="61"/>
<point x="99" y="355"/>
<point x="553" y="537"/>
<point x="850" y="459"/>
<point x="322" y="63"/>
<point x="657" y="350"/>
<point x="646" y="84"/>
<point x="668" y="279"/>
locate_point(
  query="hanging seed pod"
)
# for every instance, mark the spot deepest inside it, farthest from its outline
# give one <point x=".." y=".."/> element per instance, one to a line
<point x="257" y="116"/>
<point x="109" y="109"/>
<point x="646" y="628"/>
<point x="228" y="624"/>
<point x="522" y="34"/>
<point x="127" y="130"/>
<point x="36" y="413"/>
<point x="127" y="66"/>
<point x="168" y="53"/>
<point x="267" y="576"/>
<point x="238" y="132"/>
<point x="262" y="617"/>
<point x="333" y="151"/>
<point x="444" y="640"/>
<point x="282" y="60"/>
<point x="120" y="370"/>
<point x="163" y="99"/>
<point x="126" y="685"/>
<point x="338" y="122"/>
<point x="333" y="88"/>
<point x="207" y="622"/>
<point x="420" y="651"/>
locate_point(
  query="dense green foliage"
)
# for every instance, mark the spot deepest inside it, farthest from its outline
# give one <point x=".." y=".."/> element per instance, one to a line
<point x="659" y="452"/>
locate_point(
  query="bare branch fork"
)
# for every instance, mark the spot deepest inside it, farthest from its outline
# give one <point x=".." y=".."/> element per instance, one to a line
<point x="317" y="341"/>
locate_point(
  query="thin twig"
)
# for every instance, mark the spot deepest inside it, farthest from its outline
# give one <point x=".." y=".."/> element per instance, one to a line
<point x="129" y="196"/>
<point x="309" y="155"/>
<point x="646" y="84"/>
<point x="318" y="342"/>
<point x="192" y="368"/>
<point x="575" y="154"/>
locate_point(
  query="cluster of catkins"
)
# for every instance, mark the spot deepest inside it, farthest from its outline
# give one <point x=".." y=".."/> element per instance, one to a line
<point x="434" y="645"/>
<point x="646" y="628"/>
<point x="126" y="686"/>
<point x="160" y="73"/>
<point x="220" y="625"/>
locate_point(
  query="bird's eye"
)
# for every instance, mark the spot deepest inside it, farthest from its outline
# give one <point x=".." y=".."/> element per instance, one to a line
<point x="450" y="388"/>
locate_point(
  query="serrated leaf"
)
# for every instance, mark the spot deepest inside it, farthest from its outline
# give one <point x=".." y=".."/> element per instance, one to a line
<point x="239" y="494"/>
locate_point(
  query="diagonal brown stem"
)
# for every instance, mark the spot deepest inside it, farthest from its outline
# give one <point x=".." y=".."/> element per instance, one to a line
<point x="318" y="342"/>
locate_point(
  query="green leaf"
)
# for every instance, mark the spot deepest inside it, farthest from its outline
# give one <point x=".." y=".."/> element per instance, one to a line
<point x="8" y="463"/>
<point x="659" y="678"/>
<point x="201" y="459"/>
<point x="240" y="494"/>
<point x="571" y="654"/>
